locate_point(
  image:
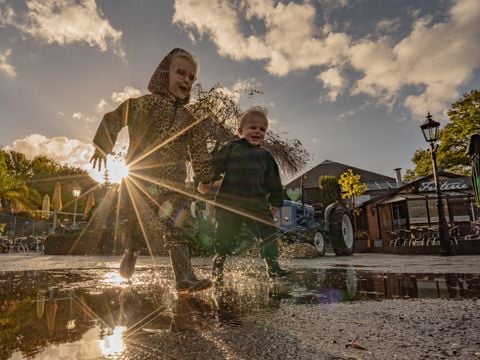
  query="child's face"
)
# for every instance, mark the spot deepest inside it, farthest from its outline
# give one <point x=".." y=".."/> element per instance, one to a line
<point x="181" y="77"/>
<point x="254" y="129"/>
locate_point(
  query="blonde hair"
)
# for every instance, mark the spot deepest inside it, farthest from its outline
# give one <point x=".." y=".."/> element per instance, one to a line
<point x="254" y="110"/>
<point x="180" y="53"/>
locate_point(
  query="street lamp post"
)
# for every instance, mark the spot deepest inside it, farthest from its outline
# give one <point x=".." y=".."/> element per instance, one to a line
<point x="430" y="132"/>
<point x="76" y="193"/>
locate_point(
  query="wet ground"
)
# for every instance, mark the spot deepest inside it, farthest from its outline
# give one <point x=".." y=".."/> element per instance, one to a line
<point x="330" y="308"/>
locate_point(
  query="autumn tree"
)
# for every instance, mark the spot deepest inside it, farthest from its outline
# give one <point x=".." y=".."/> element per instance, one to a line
<point x="330" y="190"/>
<point x="464" y="121"/>
<point x="352" y="188"/>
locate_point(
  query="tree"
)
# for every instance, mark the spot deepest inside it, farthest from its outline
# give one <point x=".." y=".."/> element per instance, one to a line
<point x="330" y="190"/>
<point x="28" y="180"/>
<point x="14" y="187"/>
<point x="464" y="121"/>
<point x="352" y="188"/>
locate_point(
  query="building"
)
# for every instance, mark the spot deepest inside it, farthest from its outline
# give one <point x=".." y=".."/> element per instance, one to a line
<point x="377" y="184"/>
<point x="414" y="205"/>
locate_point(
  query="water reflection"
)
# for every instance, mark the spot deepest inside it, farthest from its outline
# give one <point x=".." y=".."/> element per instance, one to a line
<point x="92" y="313"/>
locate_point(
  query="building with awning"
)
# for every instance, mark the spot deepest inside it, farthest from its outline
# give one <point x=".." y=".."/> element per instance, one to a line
<point x="415" y="205"/>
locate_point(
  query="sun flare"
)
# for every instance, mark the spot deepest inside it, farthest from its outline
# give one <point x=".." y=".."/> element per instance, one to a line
<point x="117" y="170"/>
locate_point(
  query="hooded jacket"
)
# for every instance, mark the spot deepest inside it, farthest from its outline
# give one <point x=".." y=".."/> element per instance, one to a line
<point x="163" y="134"/>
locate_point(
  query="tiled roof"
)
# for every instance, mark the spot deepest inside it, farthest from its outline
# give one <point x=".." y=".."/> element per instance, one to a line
<point x="333" y="168"/>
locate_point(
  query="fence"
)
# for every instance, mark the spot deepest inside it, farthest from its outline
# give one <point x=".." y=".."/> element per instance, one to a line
<point x="22" y="226"/>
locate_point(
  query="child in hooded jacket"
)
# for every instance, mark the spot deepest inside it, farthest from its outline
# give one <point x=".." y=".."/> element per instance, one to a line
<point x="164" y="136"/>
<point x="250" y="193"/>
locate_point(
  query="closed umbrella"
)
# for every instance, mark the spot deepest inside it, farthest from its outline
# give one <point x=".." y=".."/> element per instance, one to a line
<point x="56" y="203"/>
<point x="89" y="205"/>
<point x="46" y="207"/>
<point x="15" y="206"/>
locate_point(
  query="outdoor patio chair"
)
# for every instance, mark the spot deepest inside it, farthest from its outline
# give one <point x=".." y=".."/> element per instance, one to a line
<point x="418" y="236"/>
<point x="405" y="237"/>
<point x="394" y="238"/>
<point x="18" y="245"/>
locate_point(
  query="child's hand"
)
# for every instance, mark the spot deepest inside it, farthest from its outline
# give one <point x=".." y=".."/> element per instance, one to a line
<point x="204" y="188"/>
<point x="100" y="157"/>
<point x="274" y="211"/>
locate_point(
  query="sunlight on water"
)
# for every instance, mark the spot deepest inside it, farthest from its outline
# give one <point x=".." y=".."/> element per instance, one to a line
<point x="114" y="278"/>
<point x="112" y="345"/>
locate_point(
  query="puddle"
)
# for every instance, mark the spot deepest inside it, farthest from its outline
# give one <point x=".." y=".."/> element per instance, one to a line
<point x="94" y="314"/>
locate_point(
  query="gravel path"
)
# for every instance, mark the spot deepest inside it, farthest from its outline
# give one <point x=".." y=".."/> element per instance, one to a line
<point x="399" y="329"/>
<point x="391" y="329"/>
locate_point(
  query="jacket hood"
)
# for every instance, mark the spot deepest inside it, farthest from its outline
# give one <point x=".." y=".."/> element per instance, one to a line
<point x="159" y="81"/>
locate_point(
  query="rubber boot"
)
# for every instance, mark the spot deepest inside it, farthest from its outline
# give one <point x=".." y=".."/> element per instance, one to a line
<point x="269" y="252"/>
<point x="185" y="279"/>
<point x="217" y="269"/>
<point x="127" y="265"/>
<point x="274" y="269"/>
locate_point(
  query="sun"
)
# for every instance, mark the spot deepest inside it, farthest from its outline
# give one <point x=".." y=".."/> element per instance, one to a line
<point x="117" y="170"/>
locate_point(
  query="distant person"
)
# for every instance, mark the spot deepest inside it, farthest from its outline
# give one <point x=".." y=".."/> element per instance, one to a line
<point x="163" y="137"/>
<point x="250" y="193"/>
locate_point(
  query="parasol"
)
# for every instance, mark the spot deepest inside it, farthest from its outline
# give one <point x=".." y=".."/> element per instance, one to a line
<point x="56" y="203"/>
<point x="89" y="205"/>
<point x="473" y="152"/>
<point x="46" y="207"/>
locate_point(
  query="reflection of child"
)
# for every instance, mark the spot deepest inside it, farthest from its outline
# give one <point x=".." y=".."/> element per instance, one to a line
<point x="163" y="137"/>
<point x="251" y="189"/>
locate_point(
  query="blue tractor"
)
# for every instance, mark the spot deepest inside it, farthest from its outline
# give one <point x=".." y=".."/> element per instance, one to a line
<point x="301" y="223"/>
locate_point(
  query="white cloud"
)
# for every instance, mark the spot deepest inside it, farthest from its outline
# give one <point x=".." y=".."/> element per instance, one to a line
<point x="101" y="106"/>
<point x="66" y="151"/>
<point x="389" y="25"/>
<point x="68" y="21"/>
<point x="333" y="80"/>
<point x="435" y="58"/>
<point x="290" y="42"/>
<point x="7" y="15"/>
<point x="5" y="66"/>
<point x="242" y="85"/>
<point x="128" y="92"/>
<point x="83" y="117"/>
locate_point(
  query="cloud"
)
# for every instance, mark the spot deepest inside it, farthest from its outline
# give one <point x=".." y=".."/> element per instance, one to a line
<point x="389" y="25"/>
<point x="7" y="15"/>
<point x="69" y="21"/>
<point x="436" y="58"/>
<point x="83" y="117"/>
<point x="333" y="79"/>
<point x="5" y="66"/>
<point x="424" y="69"/>
<point x="128" y="92"/>
<point x="289" y="43"/>
<point x="101" y="106"/>
<point x="242" y="85"/>
<point x="66" y="151"/>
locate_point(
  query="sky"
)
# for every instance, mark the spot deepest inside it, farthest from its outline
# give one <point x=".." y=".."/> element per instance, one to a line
<point x="351" y="79"/>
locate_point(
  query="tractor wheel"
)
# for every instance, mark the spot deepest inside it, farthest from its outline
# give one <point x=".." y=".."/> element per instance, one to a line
<point x="319" y="243"/>
<point x="341" y="232"/>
